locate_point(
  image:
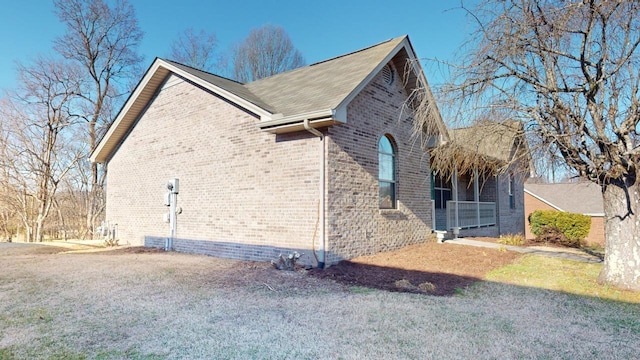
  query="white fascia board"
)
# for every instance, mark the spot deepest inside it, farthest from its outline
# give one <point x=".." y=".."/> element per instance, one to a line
<point x="151" y="72"/>
<point x="142" y="86"/>
<point x="371" y="75"/>
<point x="557" y="208"/>
<point x="264" y="114"/>
<point x="543" y="200"/>
<point x="277" y="119"/>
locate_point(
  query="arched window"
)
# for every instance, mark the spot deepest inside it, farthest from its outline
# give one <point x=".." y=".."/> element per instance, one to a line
<point x="386" y="173"/>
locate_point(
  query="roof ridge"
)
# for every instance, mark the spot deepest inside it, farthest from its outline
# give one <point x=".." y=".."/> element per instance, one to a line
<point x="561" y="183"/>
<point x="509" y="123"/>
<point x="202" y="71"/>
<point x="357" y="51"/>
<point x="326" y="60"/>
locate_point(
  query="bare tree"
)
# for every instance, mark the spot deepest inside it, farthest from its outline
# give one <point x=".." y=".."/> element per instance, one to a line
<point x="265" y="52"/>
<point x="195" y="49"/>
<point x="8" y="210"/>
<point x="103" y="40"/>
<point x="569" y="70"/>
<point x="36" y="122"/>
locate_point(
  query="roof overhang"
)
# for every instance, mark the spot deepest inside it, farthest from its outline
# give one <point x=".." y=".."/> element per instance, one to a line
<point x="317" y="119"/>
<point x="144" y="92"/>
<point x="406" y="62"/>
<point x="527" y="191"/>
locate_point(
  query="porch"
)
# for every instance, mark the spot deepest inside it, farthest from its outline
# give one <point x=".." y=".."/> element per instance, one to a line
<point x="465" y="201"/>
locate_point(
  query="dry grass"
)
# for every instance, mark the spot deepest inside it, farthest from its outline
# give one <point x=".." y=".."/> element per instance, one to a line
<point x="165" y="305"/>
<point x="568" y="276"/>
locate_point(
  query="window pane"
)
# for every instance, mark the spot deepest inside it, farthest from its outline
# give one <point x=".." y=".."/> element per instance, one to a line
<point x="385" y="169"/>
<point x="438" y="199"/>
<point x="446" y="196"/>
<point x="384" y="146"/>
<point x="387" y="195"/>
<point x="386" y="174"/>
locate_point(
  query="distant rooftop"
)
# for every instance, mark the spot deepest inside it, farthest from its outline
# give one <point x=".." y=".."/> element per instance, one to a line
<point x="581" y="197"/>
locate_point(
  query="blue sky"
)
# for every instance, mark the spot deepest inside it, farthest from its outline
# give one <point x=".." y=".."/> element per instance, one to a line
<point x="319" y="29"/>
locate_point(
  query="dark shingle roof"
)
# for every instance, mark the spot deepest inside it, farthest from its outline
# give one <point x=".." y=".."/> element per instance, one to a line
<point x="323" y="85"/>
<point x="493" y="139"/>
<point x="233" y="87"/>
<point x="581" y="197"/>
<point x="281" y="101"/>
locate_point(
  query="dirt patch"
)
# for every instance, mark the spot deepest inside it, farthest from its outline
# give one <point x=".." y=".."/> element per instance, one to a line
<point x="436" y="269"/>
<point x="131" y="250"/>
<point x="430" y="268"/>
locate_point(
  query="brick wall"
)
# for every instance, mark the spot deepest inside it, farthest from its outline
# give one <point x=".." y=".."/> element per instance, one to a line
<point x="244" y="193"/>
<point x="355" y="224"/>
<point x="251" y="195"/>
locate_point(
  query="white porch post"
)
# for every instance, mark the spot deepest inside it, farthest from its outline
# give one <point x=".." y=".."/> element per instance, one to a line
<point x="454" y="184"/>
<point x="476" y="194"/>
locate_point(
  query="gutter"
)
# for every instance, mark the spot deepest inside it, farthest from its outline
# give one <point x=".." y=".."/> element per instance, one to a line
<point x="280" y="124"/>
<point x="323" y="245"/>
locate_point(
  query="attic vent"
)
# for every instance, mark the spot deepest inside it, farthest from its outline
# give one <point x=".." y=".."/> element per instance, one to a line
<point x="387" y="74"/>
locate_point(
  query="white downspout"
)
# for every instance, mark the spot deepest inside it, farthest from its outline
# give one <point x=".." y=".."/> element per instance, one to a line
<point x="316" y="132"/>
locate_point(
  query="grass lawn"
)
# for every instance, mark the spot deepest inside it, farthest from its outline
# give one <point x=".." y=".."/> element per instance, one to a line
<point x="560" y="275"/>
<point x="155" y="305"/>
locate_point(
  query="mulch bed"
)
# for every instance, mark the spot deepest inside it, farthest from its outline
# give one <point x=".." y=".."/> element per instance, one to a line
<point x="431" y="268"/>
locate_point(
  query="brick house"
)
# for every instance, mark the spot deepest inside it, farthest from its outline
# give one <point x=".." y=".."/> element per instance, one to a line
<point x="578" y="197"/>
<point x="319" y="160"/>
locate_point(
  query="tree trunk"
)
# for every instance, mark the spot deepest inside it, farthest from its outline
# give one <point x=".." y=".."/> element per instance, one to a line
<point x="622" y="231"/>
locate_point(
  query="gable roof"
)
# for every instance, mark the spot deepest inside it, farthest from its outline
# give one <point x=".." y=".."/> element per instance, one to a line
<point x="581" y="197"/>
<point x="326" y="84"/>
<point x="318" y="93"/>
<point x="231" y="86"/>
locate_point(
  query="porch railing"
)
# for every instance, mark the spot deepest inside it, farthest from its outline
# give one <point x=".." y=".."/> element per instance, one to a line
<point x="470" y="214"/>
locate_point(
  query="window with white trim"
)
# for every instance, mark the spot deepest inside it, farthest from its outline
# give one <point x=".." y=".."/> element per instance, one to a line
<point x="441" y="190"/>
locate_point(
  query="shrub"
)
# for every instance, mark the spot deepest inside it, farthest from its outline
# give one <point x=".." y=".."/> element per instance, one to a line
<point x="541" y="219"/>
<point x="559" y="227"/>
<point x="573" y="226"/>
<point x="512" y="239"/>
<point x="552" y="235"/>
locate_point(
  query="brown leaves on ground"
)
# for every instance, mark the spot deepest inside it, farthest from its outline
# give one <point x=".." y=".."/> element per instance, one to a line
<point x="432" y="268"/>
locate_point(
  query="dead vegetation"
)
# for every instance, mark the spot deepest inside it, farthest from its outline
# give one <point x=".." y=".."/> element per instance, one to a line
<point x="147" y="304"/>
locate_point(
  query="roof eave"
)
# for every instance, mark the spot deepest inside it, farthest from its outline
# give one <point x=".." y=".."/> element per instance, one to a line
<point x="542" y="199"/>
<point x="372" y="74"/>
<point x="418" y="81"/>
<point x="144" y="92"/>
<point x="155" y="76"/>
<point x="317" y="119"/>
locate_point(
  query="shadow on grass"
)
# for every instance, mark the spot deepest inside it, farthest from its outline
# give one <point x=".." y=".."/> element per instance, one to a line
<point x="15" y="248"/>
<point x="599" y="253"/>
<point x="394" y="279"/>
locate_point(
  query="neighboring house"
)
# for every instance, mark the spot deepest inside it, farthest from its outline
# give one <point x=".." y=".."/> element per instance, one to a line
<point x="579" y="197"/>
<point x="478" y="183"/>
<point x="321" y="160"/>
